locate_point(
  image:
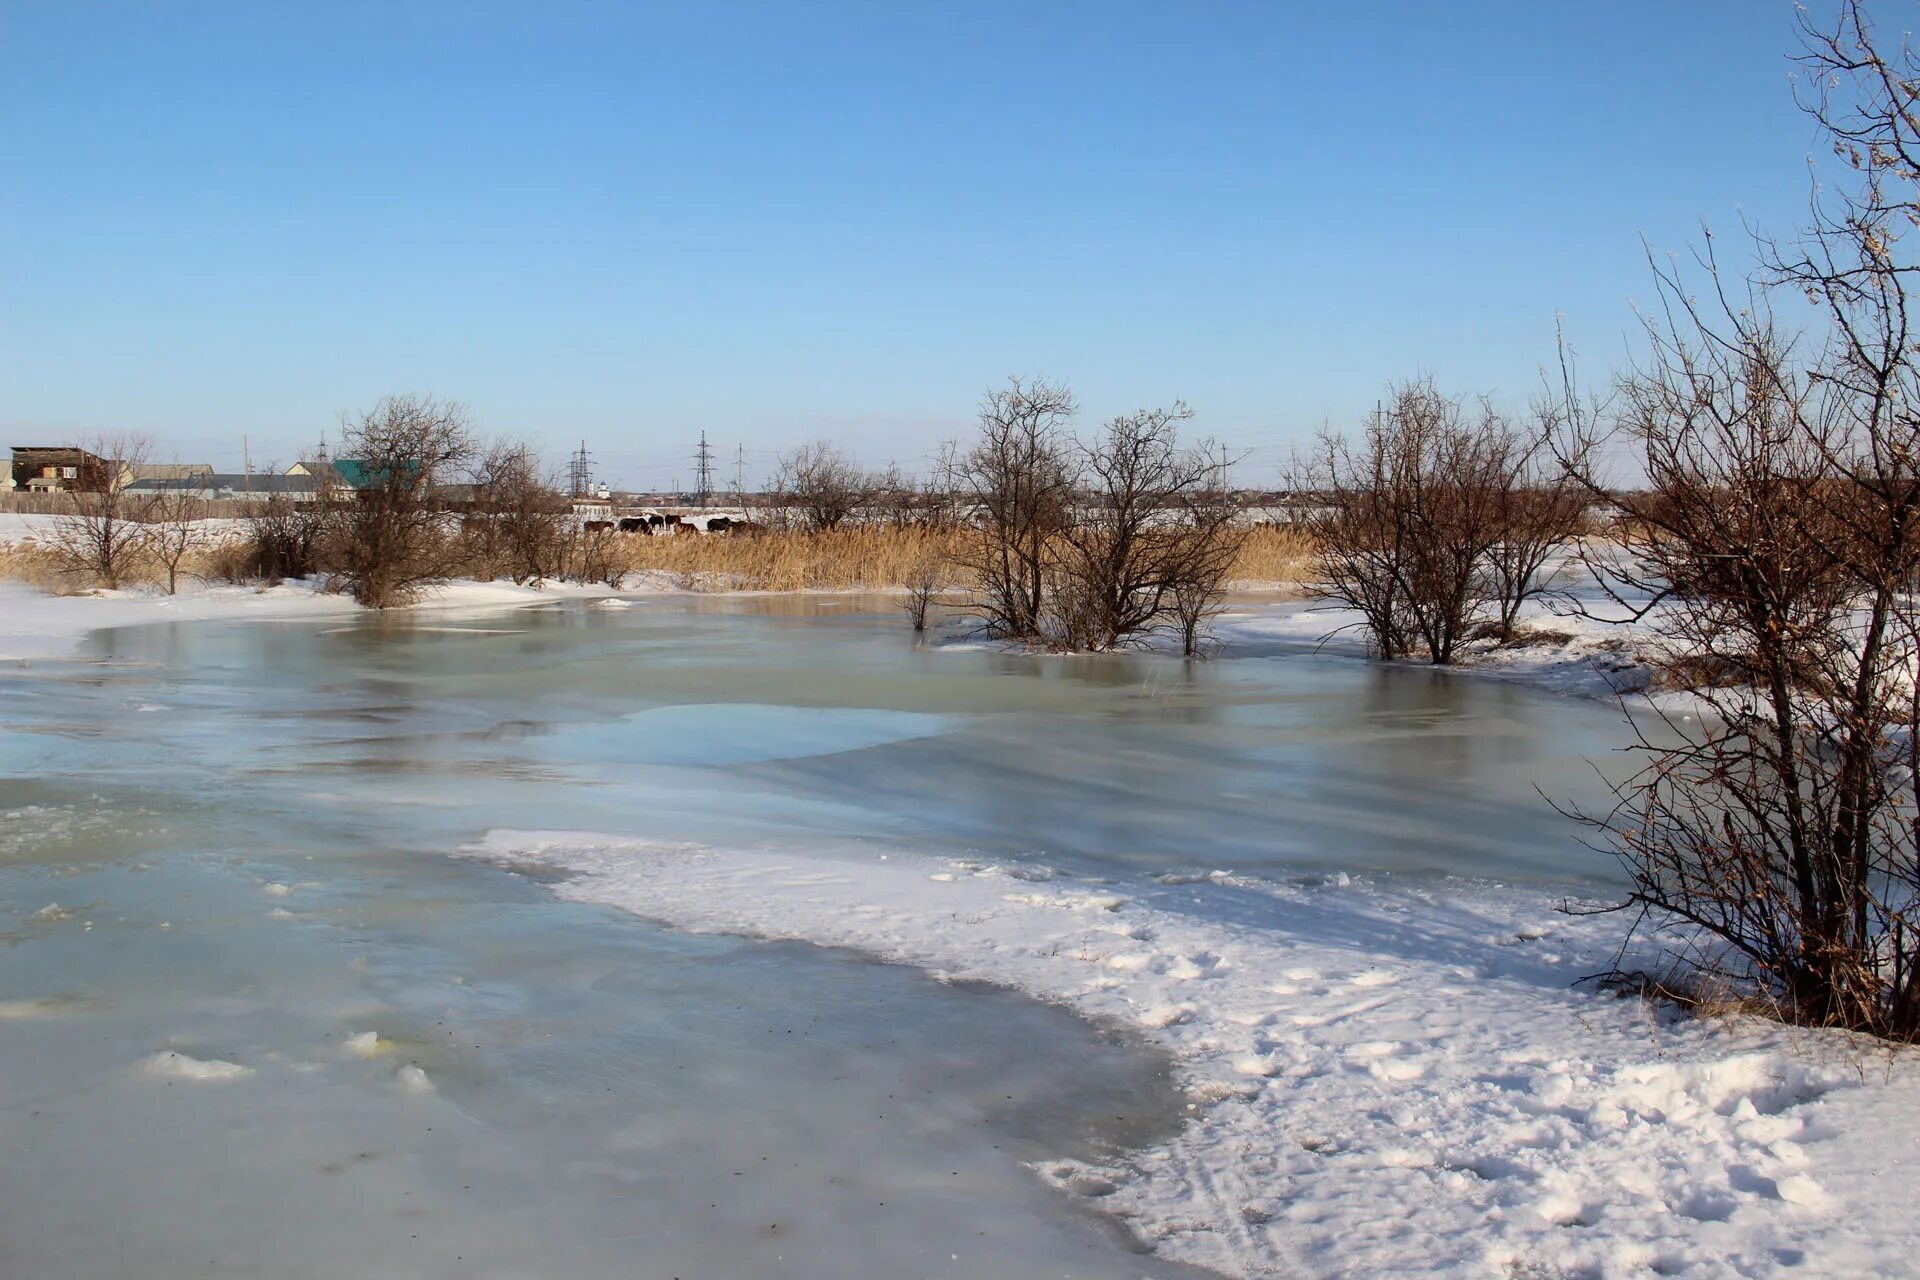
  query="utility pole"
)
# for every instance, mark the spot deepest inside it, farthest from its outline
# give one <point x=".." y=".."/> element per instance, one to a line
<point x="703" y="476"/>
<point x="740" y="474"/>
<point x="580" y="474"/>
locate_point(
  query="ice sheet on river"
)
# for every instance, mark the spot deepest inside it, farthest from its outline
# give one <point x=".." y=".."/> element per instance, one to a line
<point x="1385" y="1080"/>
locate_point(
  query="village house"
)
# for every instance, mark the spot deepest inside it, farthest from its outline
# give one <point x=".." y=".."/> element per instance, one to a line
<point x="65" y="469"/>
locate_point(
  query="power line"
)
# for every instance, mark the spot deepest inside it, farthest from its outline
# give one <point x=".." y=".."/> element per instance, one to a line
<point x="580" y="473"/>
<point x="703" y="460"/>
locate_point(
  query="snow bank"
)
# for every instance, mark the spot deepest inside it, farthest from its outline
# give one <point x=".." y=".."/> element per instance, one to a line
<point x="1383" y="1080"/>
<point x="1562" y="652"/>
<point x="35" y="625"/>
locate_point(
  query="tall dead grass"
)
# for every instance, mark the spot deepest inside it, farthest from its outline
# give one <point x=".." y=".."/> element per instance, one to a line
<point x="1274" y="553"/>
<point x="47" y="568"/>
<point x="857" y="559"/>
<point x="877" y="559"/>
<point x="865" y="558"/>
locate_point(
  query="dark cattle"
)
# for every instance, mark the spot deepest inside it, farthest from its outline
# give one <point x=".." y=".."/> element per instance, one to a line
<point x="719" y="524"/>
<point x="634" y="524"/>
<point x="746" y="528"/>
<point x="599" y="526"/>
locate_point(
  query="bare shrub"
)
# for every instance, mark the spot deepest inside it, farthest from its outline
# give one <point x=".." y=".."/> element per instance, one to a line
<point x="288" y="539"/>
<point x="1780" y="543"/>
<point x="593" y="551"/>
<point x="1017" y="484"/>
<point x="1209" y="554"/>
<point x="1539" y="509"/>
<point x="516" y="523"/>
<point x="102" y="537"/>
<point x="1140" y="537"/>
<point x="176" y="528"/>
<point x="1442" y="518"/>
<point x="823" y="486"/>
<point x="925" y="582"/>
<point x="393" y="537"/>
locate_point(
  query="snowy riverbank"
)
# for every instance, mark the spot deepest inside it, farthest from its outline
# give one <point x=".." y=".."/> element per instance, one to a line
<point x="1384" y="1080"/>
<point x="1558" y="650"/>
<point x="34" y="624"/>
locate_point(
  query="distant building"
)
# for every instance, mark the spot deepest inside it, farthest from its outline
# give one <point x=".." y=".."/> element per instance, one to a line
<point x="233" y="485"/>
<point x="170" y="470"/>
<point x="65" y="469"/>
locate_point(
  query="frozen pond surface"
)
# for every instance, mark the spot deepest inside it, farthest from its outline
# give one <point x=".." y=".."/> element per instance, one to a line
<point x="439" y="1069"/>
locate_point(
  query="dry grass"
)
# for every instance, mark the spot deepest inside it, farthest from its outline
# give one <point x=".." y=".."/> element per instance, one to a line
<point x="863" y="559"/>
<point x="45" y="568"/>
<point x="858" y="559"/>
<point x="1274" y="553"/>
<point x="878" y="559"/>
<point x="39" y="567"/>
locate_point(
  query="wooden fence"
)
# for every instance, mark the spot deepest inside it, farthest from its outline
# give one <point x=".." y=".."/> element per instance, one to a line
<point x="60" y="504"/>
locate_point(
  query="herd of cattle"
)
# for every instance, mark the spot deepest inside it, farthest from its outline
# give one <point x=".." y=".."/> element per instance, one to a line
<point x="654" y="524"/>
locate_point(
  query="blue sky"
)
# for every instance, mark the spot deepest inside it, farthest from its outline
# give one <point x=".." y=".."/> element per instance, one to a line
<point x="778" y="222"/>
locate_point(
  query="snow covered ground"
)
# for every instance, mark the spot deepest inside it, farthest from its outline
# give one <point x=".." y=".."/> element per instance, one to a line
<point x="1384" y="1080"/>
<point x="1561" y="650"/>
<point x="36" y="625"/>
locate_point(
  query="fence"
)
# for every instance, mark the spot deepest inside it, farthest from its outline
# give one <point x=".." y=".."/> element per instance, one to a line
<point x="60" y="504"/>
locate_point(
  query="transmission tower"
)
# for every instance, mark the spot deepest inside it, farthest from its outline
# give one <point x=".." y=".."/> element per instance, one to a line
<point x="703" y="477"/>
<point x="740" y="474"/>
<point x="580" y="474"/>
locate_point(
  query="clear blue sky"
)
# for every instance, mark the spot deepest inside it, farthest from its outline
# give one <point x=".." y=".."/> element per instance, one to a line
<point x="629" y="222"/>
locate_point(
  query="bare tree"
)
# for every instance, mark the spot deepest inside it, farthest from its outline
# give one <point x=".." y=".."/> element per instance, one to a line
<point x="1413" y="514"/>
<point x="1538" y="506"/>
<point x="1017" y="485"/>
<point x="896" y="498"/>
<point x="1779" y="542"/>
<point x="926" y="580"/>
<point x="516" y="523"/>
<point x="1214" y="533"/>
<point x="394" y="538"/>
<point x="823" y="485"/>
<point x="1139" y="535"/>
<point x="102" y="537"/>
<point x="176" y="526"/>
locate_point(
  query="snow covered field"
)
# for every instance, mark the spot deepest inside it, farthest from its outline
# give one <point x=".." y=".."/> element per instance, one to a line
<point x="1384" y="1081"/>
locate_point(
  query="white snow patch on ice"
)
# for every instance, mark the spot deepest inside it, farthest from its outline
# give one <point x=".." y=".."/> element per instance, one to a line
<point x="413" y="1080"/>
<point x="367" y="1044"/>
<point x="1380" y="1083"/>
<point x="168" y="1065"/>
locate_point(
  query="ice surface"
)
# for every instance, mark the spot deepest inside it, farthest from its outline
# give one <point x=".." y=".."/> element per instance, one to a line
<point x="742" y="733"/>
<point x="1265" y="870"/>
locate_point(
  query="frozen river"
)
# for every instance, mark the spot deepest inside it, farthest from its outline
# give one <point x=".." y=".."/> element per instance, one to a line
<point x="226" y="843"/>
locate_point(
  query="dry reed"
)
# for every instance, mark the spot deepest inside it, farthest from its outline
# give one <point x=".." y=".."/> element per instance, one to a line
<point x="1274" y="553"/>
<point x="868" y="558"/>
<point x="860" y="559"/>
